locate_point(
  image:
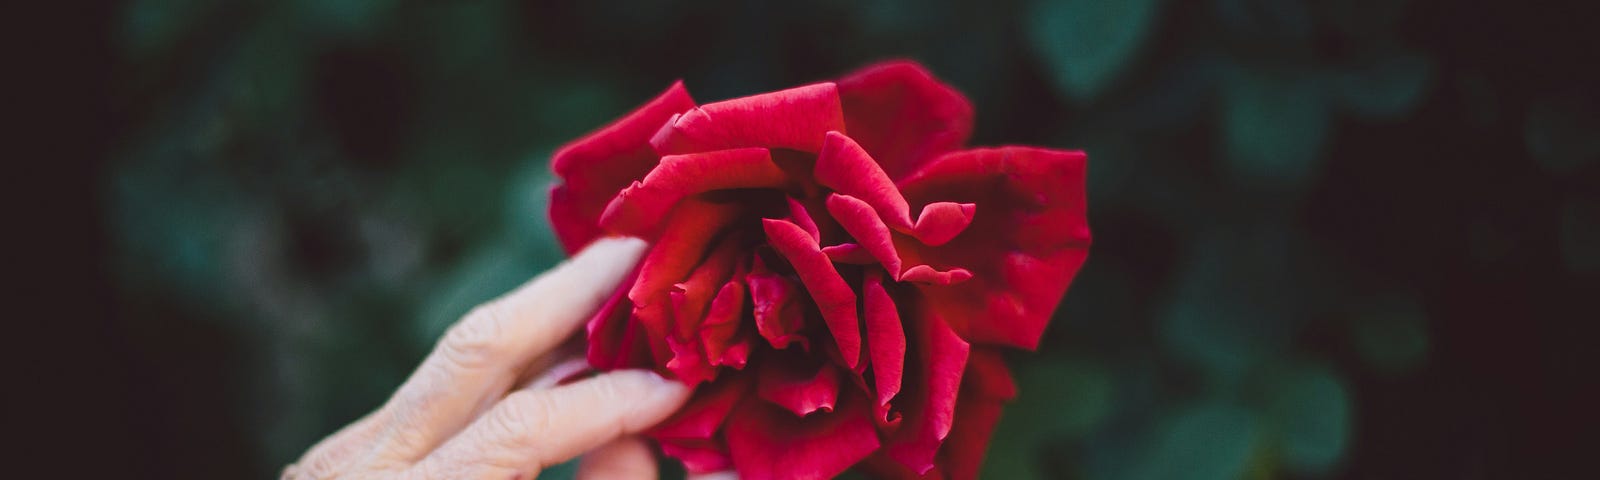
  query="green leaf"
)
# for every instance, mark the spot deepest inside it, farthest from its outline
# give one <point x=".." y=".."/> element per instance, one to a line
<point x="1310" y="413"/>
<point x="1086" y="44"/>
<point x="1274" y="124"/>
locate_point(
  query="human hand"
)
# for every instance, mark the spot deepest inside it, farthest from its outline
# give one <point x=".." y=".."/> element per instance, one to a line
<point x="486" y="404"/>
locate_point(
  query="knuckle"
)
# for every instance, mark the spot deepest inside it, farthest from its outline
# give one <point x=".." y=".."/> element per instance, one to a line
<point x="524" y="415"/>
<point x="408" y="428"/>
<point x="474" y="342"/>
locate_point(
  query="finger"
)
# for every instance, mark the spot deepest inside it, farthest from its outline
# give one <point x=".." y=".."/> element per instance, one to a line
<point x="533" y="429"/>
<point x="480" y="357"/>
<point x="713" y="476"/>
<point x="329" y="457"/>
<point x="627" y="458"/>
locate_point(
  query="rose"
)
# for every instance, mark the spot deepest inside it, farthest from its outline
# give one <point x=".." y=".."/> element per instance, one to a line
<point x="829" y="268"/>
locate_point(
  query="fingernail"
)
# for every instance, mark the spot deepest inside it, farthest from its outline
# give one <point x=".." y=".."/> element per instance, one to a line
<point x="663" y="385"/>
<point x="618" y="243"/>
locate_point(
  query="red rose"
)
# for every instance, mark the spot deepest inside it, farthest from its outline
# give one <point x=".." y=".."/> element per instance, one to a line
<point x="829" y="267"/>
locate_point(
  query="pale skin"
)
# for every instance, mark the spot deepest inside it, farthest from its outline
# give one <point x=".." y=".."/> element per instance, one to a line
<point x="486" y="403"/>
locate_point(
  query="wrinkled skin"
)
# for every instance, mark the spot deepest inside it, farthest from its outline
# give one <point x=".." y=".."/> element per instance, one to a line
<point x="829" y="268"/>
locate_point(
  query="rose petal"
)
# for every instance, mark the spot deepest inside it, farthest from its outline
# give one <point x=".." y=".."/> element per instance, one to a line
<point x="691" y="300"/>
<point x="698" y="456"/>
<point x="903" y="115"/>
<point x="798" y="384"/>
<point x="1036" y="236"/>
<point x="988" y="384"/>
<point x="638" y="209"/>
<point x="768" y="442"/>
<point x="794" y="119"/>
<point x="689" y="363"/>
<point x="656" y="322"/>
<point x="722" y="324"/>
<point x="832" y="295"/>
<point x="681" y="245"/>
<point x="775" y="304"/>
<point x="800" y="216"/>
<point x="847" y="168"/>
<point x="930" y="412"/>
<point x="611" y="333"/>
<point x="707" y="410"/>
<point x="988" y="376"/>
<point x="863" y="224"/>
<point x="850" y="253"/>
<point x="737" y="355"/>
<point x="594" y="167"/>
<point x="886" y="341"/>
<point x="942" y="221"/>
<point x="691" y="434"/>
<point x="928" y="275"/>
<point x="675" y="253"/>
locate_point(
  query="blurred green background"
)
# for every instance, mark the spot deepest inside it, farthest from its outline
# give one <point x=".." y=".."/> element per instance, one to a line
<point x="1333" y="239"/>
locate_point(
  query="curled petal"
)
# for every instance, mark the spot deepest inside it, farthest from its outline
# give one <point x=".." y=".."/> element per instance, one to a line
<point x="844" y="167"/>
<point x="593" y="168"/>
<point x="830" y="292"/>
<point x="775" y="304"/>
<point x="689" y="361"/>
<point x="886" y="341"/>
<point x="637" y="209"/>
<point x="800" y="216"/>
<point x="862" y="223"/>
<point x="903" y="115"/>
<point x="941" y="359"/>
<point x="768" y="442"/>
<point x="928" y="275"/>
<point x="692" y="298"/>
<point x="850" y="253"/>
<point x="799" y="386"/>
<point x="942" y="221"/>
<point x="794" y="119"/>
<point x="720" y="330"/>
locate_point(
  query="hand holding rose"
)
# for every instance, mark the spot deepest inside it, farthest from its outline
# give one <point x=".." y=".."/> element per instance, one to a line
<point x="486" y="403"/>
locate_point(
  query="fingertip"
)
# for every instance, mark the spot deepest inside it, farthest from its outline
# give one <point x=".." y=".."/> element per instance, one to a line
<point x="649" y="397"/>
<point x="626" y="248"/>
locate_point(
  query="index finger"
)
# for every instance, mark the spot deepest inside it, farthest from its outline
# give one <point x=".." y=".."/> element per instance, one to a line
<point x="479" y="358"/>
